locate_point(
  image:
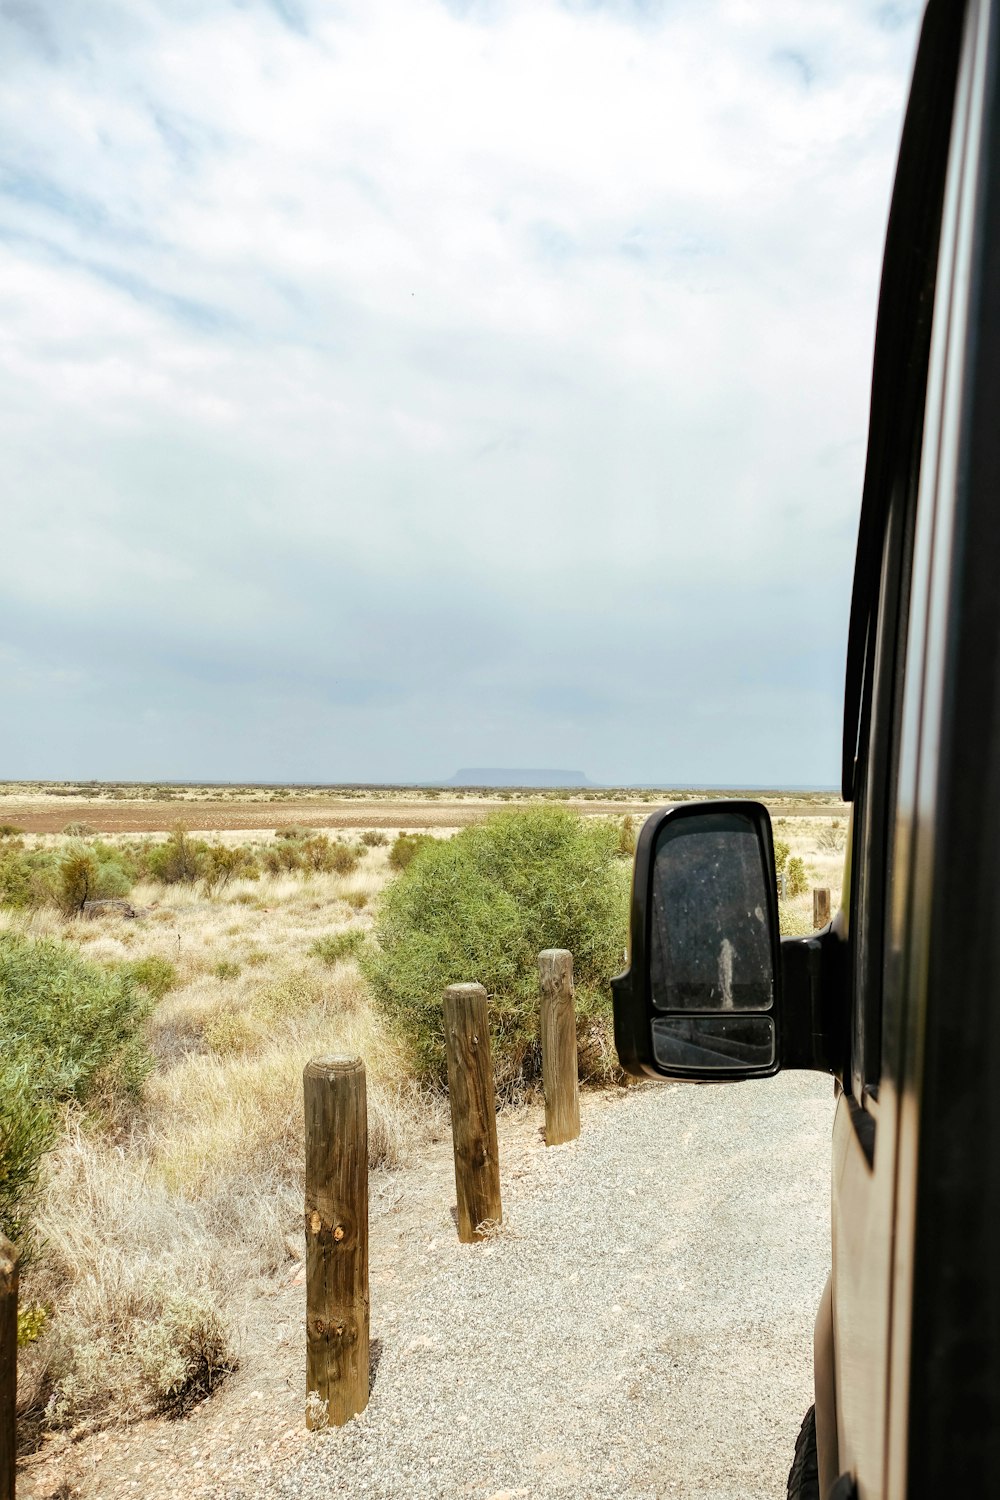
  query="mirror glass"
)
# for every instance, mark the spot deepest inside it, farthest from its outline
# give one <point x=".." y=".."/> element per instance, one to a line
<point x="710" y="943"/>
<point x="704" y="1042"/>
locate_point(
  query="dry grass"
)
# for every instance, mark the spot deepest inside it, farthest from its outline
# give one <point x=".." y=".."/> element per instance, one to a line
<point x="150" y="1220"/>
<point x="156" y="1221"/>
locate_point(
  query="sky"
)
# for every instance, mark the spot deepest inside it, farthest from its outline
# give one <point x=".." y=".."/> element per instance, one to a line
<point x="388" y="386"/>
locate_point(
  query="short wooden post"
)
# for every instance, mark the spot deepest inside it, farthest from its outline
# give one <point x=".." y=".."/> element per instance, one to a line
<point x="473" y="1110"/>
<point x="8" y="1367"/>
<point x="821" y="907"/>
<point x="559" y="1066"/>
<point x="337" y="1319"/>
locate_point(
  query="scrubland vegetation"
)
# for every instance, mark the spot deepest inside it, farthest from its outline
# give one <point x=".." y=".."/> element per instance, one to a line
<point x="150" y="1064"/>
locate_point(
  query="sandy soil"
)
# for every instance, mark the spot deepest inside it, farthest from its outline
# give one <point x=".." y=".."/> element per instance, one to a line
<point x="46" y="812"/>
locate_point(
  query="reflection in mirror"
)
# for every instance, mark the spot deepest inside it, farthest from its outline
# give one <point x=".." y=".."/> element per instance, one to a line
<point x="706" y="1042"/>
<point x="710" y="941"/>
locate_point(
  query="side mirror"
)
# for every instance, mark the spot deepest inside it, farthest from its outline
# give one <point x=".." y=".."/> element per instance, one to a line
<point x="700" y="995"/>
<point x="711" y="991"/>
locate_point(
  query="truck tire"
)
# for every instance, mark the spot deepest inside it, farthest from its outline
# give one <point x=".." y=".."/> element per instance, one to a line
<point x="803" y="1477"/>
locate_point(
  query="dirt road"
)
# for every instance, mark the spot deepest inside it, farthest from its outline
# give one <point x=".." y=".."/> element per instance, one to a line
<point x="641" y="1327"/>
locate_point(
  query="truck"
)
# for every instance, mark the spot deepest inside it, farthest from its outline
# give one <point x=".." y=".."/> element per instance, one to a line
<point x="898" y="998"/>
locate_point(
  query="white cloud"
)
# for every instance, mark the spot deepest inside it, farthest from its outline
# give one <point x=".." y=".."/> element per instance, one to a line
<point x="426" y="350"/>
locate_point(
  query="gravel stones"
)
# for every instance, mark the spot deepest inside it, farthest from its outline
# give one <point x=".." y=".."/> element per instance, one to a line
<point x="640" y="1326"/>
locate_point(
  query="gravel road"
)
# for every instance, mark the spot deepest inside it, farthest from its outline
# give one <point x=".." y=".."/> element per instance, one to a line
<point x="641" y="1326"/>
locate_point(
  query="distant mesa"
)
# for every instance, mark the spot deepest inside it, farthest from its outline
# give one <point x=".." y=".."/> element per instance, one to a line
<point x="491" y="776"/>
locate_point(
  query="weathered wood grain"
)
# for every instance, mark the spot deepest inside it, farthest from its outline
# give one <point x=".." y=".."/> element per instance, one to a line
<point x="559" y="1062"/>
<point x="336" y="1226"/>
<point x="473" y="1110"/>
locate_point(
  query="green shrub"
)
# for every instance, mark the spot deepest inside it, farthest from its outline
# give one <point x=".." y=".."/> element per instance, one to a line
<point x="27" y="1128"/>
<point x="32" y="1320"/>
<point x="344" y="859"/>
<point x="226" y="969"/>
<point x="154" y="973"/>
<point x="279" y="858"/>
<point x="84" y="876"/>
<point x="796" y="880"/>
<point x="335" y="946"/>
<point x="374" y="838"/>
<point x="180" y="859"/>
<point x="222" y="863"/>
<point x="406" y="846"/>
<point x="481" y="906"/>
<point x="28" y="878"/>
<point x="10" y="831"/>
<point x="781" y="853"/>
<point x="70" y="1029"/>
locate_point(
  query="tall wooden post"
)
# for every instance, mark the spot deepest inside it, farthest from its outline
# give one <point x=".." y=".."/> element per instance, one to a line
<point x="559" y="1065"/>
<point x="337" y="1320"/>
<point x="473" y="1109"/>
<point x="8" y="1367"/>
<point x="821" y="907"/>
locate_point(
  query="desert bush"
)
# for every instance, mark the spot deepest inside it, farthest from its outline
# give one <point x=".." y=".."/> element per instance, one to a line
<point x="10" y="831"/>
<point x="406" y="846"/>
<point x="32" y="1321"/>
<point x="184" y="1354"/>
<point x="28" y="878"/>
<point x="344" y="859"/>
<point x="833" y="836"/>
<point x="796" y="880"/>
<point x="229" y="1031"/>
<point x="222" y="863"/>
<point x="79" y="1025"/>
<point x="625" y="847"/>
<point x="84" y="876"/>
<point x="16" y="884"/>
<point x="79" y="830"/>
<point x="27" y="1128"/>
<point x="480" y="906"/>
<point x="334" y="947"/>
<point x="70" y="1029"/>
<point x="283" y="857"/>
<point x="226" y="969"/>
<point x="180" y="859"/>
<point x="155" y="973"/>
<point x="374" y="838"/>
<point x="782" y="850"/>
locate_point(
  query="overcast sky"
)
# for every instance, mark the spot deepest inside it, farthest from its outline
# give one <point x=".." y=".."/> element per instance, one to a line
<point x="388" y="386"/>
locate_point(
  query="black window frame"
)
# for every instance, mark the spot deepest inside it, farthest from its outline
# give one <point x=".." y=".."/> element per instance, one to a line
<point x="880" y="601"/>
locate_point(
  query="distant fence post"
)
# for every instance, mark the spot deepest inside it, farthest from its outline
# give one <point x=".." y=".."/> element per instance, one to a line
<point x="473" y="1109"/>
<point x="559" y="1064"/>
<point x="337" y="1317"/>
<point x="821" y="907"/>
<point x="8" y="1367"/>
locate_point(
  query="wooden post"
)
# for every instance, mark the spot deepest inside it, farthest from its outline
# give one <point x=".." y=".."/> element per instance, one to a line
<point x="8" y="1367"/>
<point x="337" y="1322"/>
<point x="473" y="1110"/>
<point x="821" y="907"/>
<point x="559" y="1067"/>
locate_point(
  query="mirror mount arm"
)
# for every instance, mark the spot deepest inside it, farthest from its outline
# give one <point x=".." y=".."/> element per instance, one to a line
<point x="814" y="1018"/>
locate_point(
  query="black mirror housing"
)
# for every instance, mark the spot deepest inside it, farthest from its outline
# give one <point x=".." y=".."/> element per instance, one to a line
<point x="711" y="991"/>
